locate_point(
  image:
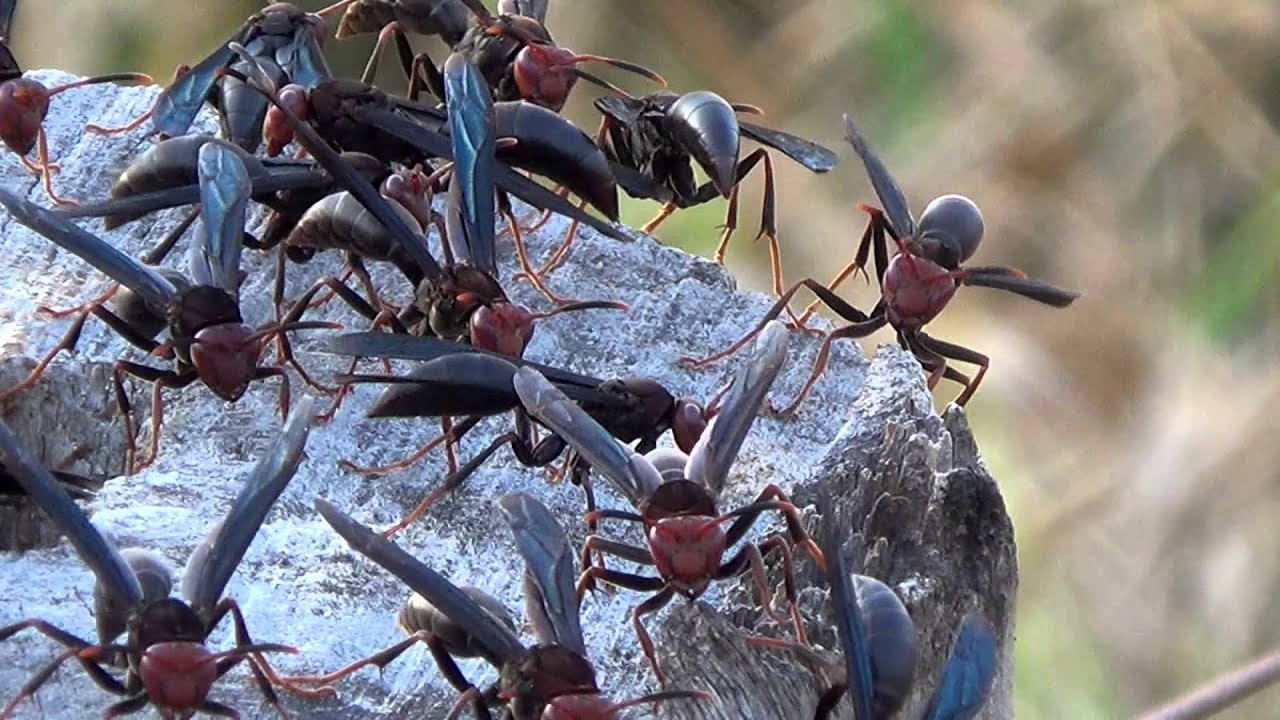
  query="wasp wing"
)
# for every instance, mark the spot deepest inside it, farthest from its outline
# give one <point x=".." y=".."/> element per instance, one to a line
<point x="551" y="601"/>
<point x="968" y="675"/>
<point x="114" y="576"/>
<point x="1026" y="287"/>
<point x="178" y="105"/>
<point x="806" y="152"/>
<point x="716" y="450"/>
<point x="565" y="418"/>
<point x="447" y="386"/>
<point x="214" y="560"/>
<point x="79" y="487"/>
<point x="859" y="682"/>
<point x="278" y="179"/>
<point x="303" y="59"/>
<point x="887" y="189"/>
<point x="536" y="9"/>
<point x="9" y="68"/>
<point x="471" y="132"/>
<point x="623" y="110"/>
<point x="410" y="347"/>
<point x="150" y="285"/>
<point x="224" y="199"/>
<point x="498" y="640"/>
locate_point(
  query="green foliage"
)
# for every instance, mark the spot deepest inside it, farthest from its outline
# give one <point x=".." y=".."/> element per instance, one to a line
<point x="905" y="51"/>
<point x="1060" y="675"/>
<point x="693" y="230"/>
<point x="1235" y="293"/>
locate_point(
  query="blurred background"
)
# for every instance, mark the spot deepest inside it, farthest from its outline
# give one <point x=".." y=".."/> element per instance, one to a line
<point x="1128" y="150"/>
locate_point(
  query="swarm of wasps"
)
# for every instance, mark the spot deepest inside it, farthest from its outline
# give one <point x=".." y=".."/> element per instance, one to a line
<point x="476" y="128"/>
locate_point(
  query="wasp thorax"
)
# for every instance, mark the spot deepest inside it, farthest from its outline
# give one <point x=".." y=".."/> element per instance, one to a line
<point x="950" y="230"/>
<point x="155" y="578"/>
<point x="669" y="462"/>
<point x="687" y="551"/>
<point x="916" y="289"/>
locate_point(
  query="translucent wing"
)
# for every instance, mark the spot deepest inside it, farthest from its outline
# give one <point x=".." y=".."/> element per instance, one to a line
<point x="536" y="9"/>
<point x="471" y="132"/>
<point x="6" y="21"/>
<point x="178" y="105"/>
<point x="968" y="675"/>
<point x="130" y="207"/>
<point x="711" y="458"/>
<point x="887" y="189"/>
<point x="409" y="347"/>
<point x="1024" y="286"/>
<point x="487" y="631"/>
<point x="214" y="561"/>
<point x="550" y="597"/>
<point x="806" y="152"/>
<point x="622" y="109"/>
<point x="224" y="198"/>
<point x="79" y="487"/>
<point x="552" y="408"/>
<point x="305" y="64"/>
<point x="150" y="285"/>
<point x="859" y="682"/>
<point x="108" y="566"/>
<point x="449" y="385"/>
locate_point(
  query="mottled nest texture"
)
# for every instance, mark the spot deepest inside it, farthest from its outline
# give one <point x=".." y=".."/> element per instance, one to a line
<point x="922" y="512"/>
